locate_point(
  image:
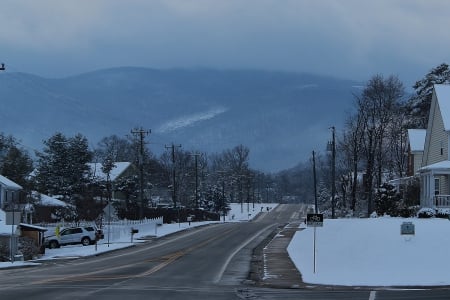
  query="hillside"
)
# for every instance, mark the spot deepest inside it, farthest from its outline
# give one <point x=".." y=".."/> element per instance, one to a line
<point x="280" y="116"/>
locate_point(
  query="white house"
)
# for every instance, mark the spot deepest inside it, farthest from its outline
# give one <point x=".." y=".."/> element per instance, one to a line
<point x="435" y="167"/>
<point x="9" y="192"/>
<point x="120" y="169"/>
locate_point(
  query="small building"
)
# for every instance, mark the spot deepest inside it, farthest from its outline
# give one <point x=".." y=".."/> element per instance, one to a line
<point x="119" y="171"/>
<point x="34" y="232"/>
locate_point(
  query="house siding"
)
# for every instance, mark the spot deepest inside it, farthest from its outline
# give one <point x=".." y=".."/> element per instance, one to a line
<point x="437" y="137"/>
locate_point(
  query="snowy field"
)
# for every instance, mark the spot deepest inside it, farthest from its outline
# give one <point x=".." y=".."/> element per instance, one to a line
<point x="238" y="213"/>
<point x="372" y="252"/>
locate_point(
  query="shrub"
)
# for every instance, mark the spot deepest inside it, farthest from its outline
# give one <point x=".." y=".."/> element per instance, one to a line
<point x="426" y="212"/>
<point x="443" y="213"/>
<point x="407" y="212"/>
<point x="27" y="247"/>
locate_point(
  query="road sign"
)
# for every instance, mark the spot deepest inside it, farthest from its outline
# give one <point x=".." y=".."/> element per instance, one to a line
<point x="12" y="217"/>
<point x="314" y="220"/>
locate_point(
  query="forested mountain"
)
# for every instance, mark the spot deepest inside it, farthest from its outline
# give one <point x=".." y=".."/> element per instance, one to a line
<point x="280" y="116"/>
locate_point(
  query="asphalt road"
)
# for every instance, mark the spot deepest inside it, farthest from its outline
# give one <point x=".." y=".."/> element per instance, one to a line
<point x="211" y="262"/>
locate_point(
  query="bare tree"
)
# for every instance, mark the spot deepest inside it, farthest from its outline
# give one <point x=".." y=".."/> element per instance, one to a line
<point x="350" y="148"/>
<point x="376" y="106"/>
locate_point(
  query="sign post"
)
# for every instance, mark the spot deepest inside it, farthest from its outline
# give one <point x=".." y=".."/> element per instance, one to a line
<point x="314" y="220"/>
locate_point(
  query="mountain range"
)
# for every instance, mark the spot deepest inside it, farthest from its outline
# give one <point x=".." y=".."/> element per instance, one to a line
<point x="282" y="117"/>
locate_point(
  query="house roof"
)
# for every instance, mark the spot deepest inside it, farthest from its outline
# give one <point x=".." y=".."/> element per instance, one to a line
<point x="443" y="97"/>
<point x="442" y="165"/>
<point x="31" y="226"/>
<point x="120" y="167"/>
<point x="417" y="139"/>
<point x="9" y="183"/>
<point x="45" y="200"/>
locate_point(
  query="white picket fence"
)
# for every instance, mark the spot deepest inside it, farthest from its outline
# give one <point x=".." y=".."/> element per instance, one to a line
<point x="115" y="231"/>
<point x="121" y="230"/>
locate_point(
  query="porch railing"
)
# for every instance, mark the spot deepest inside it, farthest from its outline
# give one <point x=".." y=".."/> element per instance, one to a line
<point x="442" y="200"/>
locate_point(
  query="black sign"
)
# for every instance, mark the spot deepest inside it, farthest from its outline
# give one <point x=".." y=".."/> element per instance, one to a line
<point x="314" y="220"/>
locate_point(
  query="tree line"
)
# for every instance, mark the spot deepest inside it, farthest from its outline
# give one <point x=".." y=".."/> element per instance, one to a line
<point x="184" y="179"/>
<point x="372" y="149"/>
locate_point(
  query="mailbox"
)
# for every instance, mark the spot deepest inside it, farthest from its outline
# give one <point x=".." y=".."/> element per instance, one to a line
<point x="134" y="231"/>
<point x="407" y="228"/>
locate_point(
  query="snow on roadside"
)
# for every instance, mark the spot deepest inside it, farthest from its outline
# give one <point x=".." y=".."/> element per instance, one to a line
<point x="372" y="252"/>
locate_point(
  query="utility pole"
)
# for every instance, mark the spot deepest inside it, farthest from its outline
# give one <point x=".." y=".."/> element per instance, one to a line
<point x="196" y="155"/>
<point x="141" y="133"/>
<point x="333" y="173"/>
<point x="316" y="210"/>
<point x="174" y="192"/>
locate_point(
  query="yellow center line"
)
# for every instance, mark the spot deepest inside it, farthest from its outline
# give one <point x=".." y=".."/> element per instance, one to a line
<point x="166" y="260"/>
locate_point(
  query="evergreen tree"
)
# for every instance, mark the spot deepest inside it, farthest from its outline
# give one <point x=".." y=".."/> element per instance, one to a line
<point x="17" y="165"/>
<point x="62" y="166"/>
<point x="419" y="103"/>
<point x="387" y="200"/>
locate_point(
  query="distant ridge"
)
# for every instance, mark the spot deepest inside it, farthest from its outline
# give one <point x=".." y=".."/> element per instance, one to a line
<point x="280" y="116"/>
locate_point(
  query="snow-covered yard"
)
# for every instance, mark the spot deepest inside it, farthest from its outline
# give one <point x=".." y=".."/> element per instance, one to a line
<point x="372" y="252"/>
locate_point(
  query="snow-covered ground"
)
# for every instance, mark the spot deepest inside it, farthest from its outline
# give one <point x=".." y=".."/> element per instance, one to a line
<point x="372" y="252"/>
<point x="238" y="213"/>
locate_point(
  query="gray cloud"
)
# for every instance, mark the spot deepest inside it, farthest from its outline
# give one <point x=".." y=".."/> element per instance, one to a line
<point x="344" y="38"/>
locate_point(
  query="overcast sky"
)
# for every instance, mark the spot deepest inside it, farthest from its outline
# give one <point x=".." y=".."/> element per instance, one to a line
<point x="352" y="39"/>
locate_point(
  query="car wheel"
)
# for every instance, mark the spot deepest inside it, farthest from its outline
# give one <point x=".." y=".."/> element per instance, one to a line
<point x="86" y="241"/>
<point x="53" y="244"/>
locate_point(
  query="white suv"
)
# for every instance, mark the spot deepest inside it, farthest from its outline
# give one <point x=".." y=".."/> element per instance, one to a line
<point x="86" y="235"/>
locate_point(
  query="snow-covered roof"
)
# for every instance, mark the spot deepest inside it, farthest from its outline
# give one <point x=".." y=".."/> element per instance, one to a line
<point x="120" y="167"/>
<point x="417" y="139"/>
<point x="40" y="228"/>
<point x="443" y="97"/>
<point x="9" y="183"/>
<point x="442" y="165"/>
<point x="47" y="200"/>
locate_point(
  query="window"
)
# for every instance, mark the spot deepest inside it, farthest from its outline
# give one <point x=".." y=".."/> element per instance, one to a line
<point x="436" y="186"/>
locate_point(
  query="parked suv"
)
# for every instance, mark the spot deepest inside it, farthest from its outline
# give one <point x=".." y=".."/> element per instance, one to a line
<point x="85" y="235"/>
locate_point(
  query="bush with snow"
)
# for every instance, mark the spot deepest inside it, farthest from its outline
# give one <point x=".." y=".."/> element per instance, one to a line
<point x="443" y="213"/>
<point x="426" y="212"/>
<point x="374" y="215"/>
